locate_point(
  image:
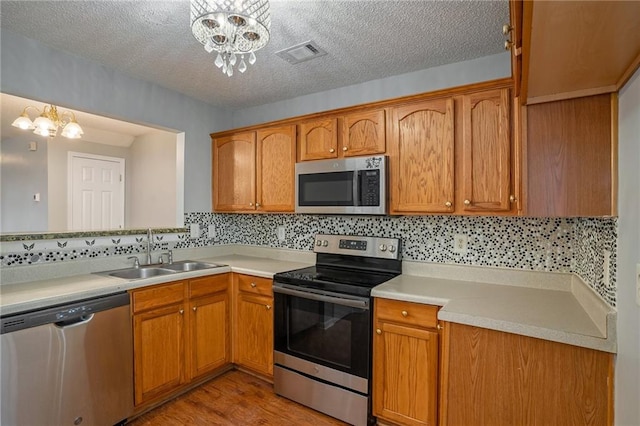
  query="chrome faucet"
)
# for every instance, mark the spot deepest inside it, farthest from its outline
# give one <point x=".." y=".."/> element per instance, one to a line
<point x="149" y="242"/>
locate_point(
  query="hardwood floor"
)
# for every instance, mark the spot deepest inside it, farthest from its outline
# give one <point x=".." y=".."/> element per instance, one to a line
<point x="235" y="398"/>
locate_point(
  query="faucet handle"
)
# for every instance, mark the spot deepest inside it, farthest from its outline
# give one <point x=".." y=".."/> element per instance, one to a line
<point x="136" y="262"/>
<point x="169" y="255"/>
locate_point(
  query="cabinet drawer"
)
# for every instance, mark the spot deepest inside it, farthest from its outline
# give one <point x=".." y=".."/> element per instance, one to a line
<point x="156" y="296"/>
<point x="416" y="314"/>
<point x="255" y="285"/>
<point x="205" y="286"/>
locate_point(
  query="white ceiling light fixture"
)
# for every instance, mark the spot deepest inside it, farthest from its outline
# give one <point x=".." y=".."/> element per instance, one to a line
<point x="233" y="28"/>
<point x="49" y="121"/>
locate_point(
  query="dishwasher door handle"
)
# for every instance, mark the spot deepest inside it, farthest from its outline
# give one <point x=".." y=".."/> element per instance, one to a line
<point x="83" y="319"/>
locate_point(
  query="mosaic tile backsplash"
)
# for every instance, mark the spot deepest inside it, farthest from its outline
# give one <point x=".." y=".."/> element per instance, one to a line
<point x="579" y="245"/>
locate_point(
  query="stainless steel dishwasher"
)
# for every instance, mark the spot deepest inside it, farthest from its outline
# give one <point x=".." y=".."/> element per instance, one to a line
<point x="68" y="365"/>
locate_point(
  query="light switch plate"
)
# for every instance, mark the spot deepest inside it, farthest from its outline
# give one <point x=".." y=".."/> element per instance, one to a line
<point x="194" y="230"/>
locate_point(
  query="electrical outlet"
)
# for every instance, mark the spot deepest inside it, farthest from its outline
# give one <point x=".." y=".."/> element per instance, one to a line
<point x="638" y="284"/>
<point x="460" y="243"/>
<point x="281" y="233"/>
<point x="194" y="230"/>
<point x="211" y="231"/>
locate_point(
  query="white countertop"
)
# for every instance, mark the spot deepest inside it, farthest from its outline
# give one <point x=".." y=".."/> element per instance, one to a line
<point x="550" y="306"/>
<point x="559" y="314"/>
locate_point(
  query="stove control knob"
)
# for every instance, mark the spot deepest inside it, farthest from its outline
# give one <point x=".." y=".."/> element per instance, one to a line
<point x="318" y="242"/>
<point x="383" y="247"/>
<point x="392" y="249"/>
<point x="325" y="243"/>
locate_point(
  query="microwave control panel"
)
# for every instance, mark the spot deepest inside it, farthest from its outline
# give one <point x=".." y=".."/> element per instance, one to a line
<point x="370" y="187"/>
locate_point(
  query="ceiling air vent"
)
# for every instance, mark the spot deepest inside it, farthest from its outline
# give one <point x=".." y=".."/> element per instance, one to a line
<point x="301" y="52"/>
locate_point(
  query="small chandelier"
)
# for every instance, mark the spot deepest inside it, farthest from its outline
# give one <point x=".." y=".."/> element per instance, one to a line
<point x="48" y="122"/>
<point x="233" y="28"/>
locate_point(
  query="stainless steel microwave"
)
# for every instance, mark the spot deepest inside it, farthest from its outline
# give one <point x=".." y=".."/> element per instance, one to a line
<point x="356" y="185"/>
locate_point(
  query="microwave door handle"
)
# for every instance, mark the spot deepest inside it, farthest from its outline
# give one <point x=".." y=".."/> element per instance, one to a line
<point x="356" y="187"/>
<point x="362" y="304"/>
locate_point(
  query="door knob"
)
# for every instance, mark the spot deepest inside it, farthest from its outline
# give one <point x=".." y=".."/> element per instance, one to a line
<point x="405" y="313"/>
<point x="344" y="148"/>
<point x="467" y="202"/>
<point x="268" y="307"/>
<point x="195" y="308"/>
<point x="253" y="285"/>
<point x="332" y="150"/>
<point x="448" y="204"/>
<point x="378" y="331"/>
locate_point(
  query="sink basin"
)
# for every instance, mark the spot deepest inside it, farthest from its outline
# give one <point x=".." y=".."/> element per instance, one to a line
<point x="190" y="265"/>
<point x="139" y="273"/>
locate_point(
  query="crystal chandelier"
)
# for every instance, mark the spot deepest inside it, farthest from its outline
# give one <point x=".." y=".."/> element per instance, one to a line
<point x="49" y="121"/>
<point x="233" y="28"/>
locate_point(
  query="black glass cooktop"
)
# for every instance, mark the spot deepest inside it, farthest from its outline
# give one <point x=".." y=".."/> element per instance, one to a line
<point x="340" y="280"/>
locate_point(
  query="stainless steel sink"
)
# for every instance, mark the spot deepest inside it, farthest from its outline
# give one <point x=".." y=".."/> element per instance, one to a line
<point x="139" y="273"/>
<point x="148" y="271"/>
<point x="190" y="265"/>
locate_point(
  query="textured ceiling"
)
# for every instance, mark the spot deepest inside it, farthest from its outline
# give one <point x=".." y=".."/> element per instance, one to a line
<point x="365" y="40"/>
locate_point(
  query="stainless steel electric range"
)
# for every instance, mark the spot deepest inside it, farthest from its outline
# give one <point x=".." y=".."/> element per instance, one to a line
<point x="322" y="325"/>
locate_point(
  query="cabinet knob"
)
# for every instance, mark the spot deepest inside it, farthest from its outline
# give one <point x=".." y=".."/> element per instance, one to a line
<point x="332" y="150"/>
<point x="257" y="204"/>
<point x="506" y="29"/>
<point x="512" y="198"/>
<point x="467" y="202"/>
<point x="507" y="44"/>
<point x="195" y="308"/>
<point x="448" y="204"/>
<point x="344" y="148"/>
<point x="378" y="331"/>
<point x="405" y="313"/>
<point x="253" y="285"/>
<point x="181" y="311"/>
<point x="250" y="204"/>
<point x="439" y="327"/>
<point x="267" y="306"/>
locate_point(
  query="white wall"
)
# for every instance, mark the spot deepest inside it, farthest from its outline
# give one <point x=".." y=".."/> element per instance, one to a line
<point x="427" y="80"/>
<point x="152" y="199"/>
<point x="627" y="384"/>
<point x="35" y="71"/>
<point x="23" y="173"/>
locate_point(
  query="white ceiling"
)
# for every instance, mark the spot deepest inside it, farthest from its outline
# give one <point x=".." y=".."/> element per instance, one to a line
<point x="365" y="40"/>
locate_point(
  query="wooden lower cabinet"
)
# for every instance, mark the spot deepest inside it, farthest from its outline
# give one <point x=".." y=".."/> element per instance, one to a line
<point x="405" y="362"/>
<point x="253" y="322"/>
<point x="180" y="333"/>
<point x="493" y="378"/>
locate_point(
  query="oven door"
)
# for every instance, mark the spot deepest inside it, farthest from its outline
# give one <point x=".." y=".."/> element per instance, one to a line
<point x="329" y="329"/>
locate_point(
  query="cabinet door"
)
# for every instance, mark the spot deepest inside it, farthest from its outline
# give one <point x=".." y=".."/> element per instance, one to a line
<point x="275" y="169"/>
<point x="254" y="328"/>
<point x="486" y="151"/>
<point x="363" y="133"/>
<point x="318" y="139"/>
<point x="158" y="344"/>
<point x="421" y="154"/>
<point x="209" y="333"/>
<point x="405" y="374"/>
<point x="234" y="173"/>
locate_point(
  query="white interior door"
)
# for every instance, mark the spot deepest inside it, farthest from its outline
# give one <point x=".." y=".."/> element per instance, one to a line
<point x="96" y="191"/>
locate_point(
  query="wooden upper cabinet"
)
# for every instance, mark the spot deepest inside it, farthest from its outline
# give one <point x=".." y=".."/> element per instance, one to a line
<point x="571" y="156"/>
<point x="275" y="169"/>
<point x="363" y="133"/>
<point x="234" y="172"/>
<point x="486" y="152"/>
<point x="421" y="154"/>
<point x="318" y="139"/>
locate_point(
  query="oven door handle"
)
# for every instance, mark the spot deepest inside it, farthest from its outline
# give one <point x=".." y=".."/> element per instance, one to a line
<point x="353" y="303"/>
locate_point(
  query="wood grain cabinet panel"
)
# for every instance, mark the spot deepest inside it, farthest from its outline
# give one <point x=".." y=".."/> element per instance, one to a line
<point x="234" y="172"/>
<point x="158" y="352"/>
<point x="497" y="378"/>
<point x="486" y="152"/>
<point x="275" y="169"/>
<point x="254" y="333"/>
<point x="405" y="365"/>
<point x="571" y="156"/>
<point x="421" y="154"/>
<point x="363" y="133"/>
<point x="318" y="139"/>
<point x="209" y="333"/>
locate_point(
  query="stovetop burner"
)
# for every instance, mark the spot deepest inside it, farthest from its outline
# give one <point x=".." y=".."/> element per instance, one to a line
<point x="348" y="264"/>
